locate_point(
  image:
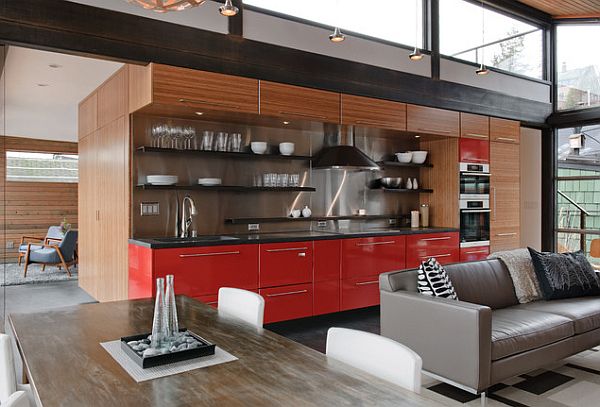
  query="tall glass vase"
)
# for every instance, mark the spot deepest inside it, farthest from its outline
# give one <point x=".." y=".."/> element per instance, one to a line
<point x="159" y="326"/>
<point x="171" y="309"/>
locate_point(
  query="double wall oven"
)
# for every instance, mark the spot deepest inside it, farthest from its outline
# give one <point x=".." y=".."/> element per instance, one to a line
<point x="474" y="211"/>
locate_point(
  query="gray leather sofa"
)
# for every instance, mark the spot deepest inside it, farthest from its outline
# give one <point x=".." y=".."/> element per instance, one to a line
<point x="486" y="336"/>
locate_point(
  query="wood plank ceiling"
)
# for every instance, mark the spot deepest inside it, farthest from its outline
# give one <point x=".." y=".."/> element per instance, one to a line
<point x="567" y="8"/>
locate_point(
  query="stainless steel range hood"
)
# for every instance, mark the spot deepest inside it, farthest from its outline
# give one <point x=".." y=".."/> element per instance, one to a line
<point x="340" y="153"/>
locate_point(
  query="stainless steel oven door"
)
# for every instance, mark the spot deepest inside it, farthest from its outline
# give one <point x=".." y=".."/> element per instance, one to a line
<point x="474" y="185"/>
<point x="474" y="223"/>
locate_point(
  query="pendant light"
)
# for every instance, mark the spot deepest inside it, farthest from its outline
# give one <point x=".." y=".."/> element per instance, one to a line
<point x="162" y="6"/>
<point x="337" y="35"/>
<point x="482" y="70"/>
<point x="228" y="9"/>
<point x="416" y="55"/>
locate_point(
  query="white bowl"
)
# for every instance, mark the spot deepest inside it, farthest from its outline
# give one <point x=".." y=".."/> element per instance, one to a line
<point x="286" y="148"/>
<point x="258" y="147"/>
<point x="162" y="179"/>
<point x="419" y="157"/>
<point x="209" y="181"/>
<point x="404" y="157"/>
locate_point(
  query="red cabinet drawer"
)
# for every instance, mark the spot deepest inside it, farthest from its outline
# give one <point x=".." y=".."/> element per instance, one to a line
<point x="326" y="297"/>
<point x="327" y="260"/>
<point x="289" y="302"/>
<point x="372" y="256"/>
<point x="443" y="246"/>
<point x="474" y="151"/>
<point x="360" y="292"/>
<point x="474" y="253"/>
<point x="201" y="271"/>
<point x="285" y="263"/>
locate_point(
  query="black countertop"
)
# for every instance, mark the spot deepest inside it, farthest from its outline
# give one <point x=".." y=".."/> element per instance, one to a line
<point x="281" y="237"/>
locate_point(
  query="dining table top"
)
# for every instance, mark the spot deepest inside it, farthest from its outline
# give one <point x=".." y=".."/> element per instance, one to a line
<point x="67" y="366"/>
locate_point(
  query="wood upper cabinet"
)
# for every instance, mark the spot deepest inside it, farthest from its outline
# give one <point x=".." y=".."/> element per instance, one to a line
<point x="277" y="99"/>
<point x="203" y="90"/>
<point x="363" y="111"/>
<point x="504" y="196"/>
<point x="113" y="97"/>
<point x="505" y="131"/>
<point x="421" y="119"/>
<point x="474" y="126"/>
<point x="87" y="118"/>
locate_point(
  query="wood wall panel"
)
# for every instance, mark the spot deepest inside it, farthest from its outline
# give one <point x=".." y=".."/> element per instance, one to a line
<point x="443" y="178"/>
<point x="30" y="208"/>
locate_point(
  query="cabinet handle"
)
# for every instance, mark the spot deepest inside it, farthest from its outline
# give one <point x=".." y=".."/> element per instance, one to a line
<point x="301" y="254"/>
<point x="435" y="131"/>
<point x="431" y="239"/>
<point x="475" y="210"/>
<point x="288" y="293"/>
<point x="494" y="202"/>
<point x="183" y="256"/>
<point x="512" y="140"/>
<point x="507" y="234"/>
<point x="368" y="282"/>
<point x="479" y="160"/>
<point x="97" y="215"/>
<point x="211" y="302"/>
<point x="476" y="252"/>
<point x="287" y="249"/>
<point x="373" y="122"/>
<point x="436" y="255"/>
<point x="319" y="116"/>
<point x="376" y="243"/>
<point x="206" y="102"/>
<point x="476" y="135"/>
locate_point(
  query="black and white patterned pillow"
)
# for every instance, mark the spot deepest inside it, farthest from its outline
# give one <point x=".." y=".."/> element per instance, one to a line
<point x="433" y="280"/>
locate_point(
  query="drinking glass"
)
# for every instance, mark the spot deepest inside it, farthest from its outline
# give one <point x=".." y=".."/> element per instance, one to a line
<point x="189" y="137"/>
<point x="207" y="140"/>
<point x="221" y="144"/>
<point x="267" y="180"/>
<point x="273" y="179"/>
<point x="295" y="180"/>
<point x="282" y="180"/>
<point x="235" y="142"/>
<point x="257" y="180"/>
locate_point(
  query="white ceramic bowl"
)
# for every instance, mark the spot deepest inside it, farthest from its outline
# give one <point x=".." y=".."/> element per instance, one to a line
<point x="404" y="157"/>
<point x="419" y="157"/>
<point x="286" y="148"/>
<point x="162" y="179"/>
<point x="209" y="181"/>
<point x="258" y="147"/>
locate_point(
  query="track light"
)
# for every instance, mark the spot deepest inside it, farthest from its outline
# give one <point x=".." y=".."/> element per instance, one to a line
<point x="228" y="9"/>
<point x="482" y="70"/>
<point x="416" y="55"/>
<point x="337" y="35"/>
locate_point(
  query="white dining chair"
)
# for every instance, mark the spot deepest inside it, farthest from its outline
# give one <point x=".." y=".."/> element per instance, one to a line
<point x="377" y="355"/>
<point x="10" y="391"/>
<point x="242" y="304"/>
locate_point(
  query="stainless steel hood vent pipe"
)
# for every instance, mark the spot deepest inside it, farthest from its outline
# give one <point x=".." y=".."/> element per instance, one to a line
<point x="340" y="153"/>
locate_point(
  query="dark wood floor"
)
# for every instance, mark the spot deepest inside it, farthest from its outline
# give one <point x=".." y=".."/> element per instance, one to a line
<point x="312" y="332"/>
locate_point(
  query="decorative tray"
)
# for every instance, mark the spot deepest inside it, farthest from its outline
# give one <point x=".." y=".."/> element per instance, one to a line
<point x="187" y="346"/>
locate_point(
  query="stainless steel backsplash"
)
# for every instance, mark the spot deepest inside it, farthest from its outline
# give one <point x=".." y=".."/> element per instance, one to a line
<point x="337" y="192"/>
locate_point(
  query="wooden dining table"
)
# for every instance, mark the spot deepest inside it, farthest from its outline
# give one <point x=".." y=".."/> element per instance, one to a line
<point x="67" y="366"/>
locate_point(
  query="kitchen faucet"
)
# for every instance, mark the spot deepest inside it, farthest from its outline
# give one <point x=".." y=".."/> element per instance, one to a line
<point x="186" y="220"/>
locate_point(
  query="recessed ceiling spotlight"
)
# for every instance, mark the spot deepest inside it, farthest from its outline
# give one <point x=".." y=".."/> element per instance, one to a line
<point x="228" y="9"/>
<point x="286" y="122"/>
<point x="417" y="136"/>
<point x="199" y="113"/>
<point x="43" y="85"/>
<point x="55" y="66"/>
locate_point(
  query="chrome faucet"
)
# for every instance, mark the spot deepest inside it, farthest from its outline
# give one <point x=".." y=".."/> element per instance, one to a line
<point x="186" y="215"/>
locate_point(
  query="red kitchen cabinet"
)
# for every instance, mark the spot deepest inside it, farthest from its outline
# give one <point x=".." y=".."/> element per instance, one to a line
<point x="140" y="276"/>
<point x="443" y="246"/>
<point x="360" y="292"/>
<point x="211" y="300"/>
<point x="327" y="259"/>
<point x="372" y="255"/>
<point x="201" y="271"/>
<point x="474" y="151"/>
<point x="474" y="253"/>
<point x="285" y="263"/>
<point x="288" y="302"/>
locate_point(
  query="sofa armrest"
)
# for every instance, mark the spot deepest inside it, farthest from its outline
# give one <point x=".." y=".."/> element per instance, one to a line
<point x="452" y="337"/>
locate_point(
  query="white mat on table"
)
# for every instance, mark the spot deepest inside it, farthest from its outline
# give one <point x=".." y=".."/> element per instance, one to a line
<point x="140" y="375"/>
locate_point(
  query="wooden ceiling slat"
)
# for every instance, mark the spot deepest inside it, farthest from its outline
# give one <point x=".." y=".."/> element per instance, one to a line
<point x="566" y="8"/>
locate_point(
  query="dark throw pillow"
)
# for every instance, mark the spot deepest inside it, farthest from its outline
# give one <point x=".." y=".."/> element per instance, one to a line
<point x="433" y="280"/>
<point x="564" y="275"/>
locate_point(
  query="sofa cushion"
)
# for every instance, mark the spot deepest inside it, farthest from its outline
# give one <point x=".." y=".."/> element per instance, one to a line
<point x="484" y="282"/>
<point x="517" y="330"/>
<point x="584" y="311"/>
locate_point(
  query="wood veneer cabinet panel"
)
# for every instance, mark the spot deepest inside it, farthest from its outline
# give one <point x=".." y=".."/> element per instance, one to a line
<point x="88" y="238"/>
<point x="505" y="131"/>
<point x="288" y="101"/>
<point x="443" y="178"/>
<point x="429" y="120"/>
<point x="504" y="196"/>
<point x="113" y="97"/>
<point x="87" y="120"/>
<point x="140" y="86"/>
<point x="474" y="126"/>
<point x="364" y="111"/>
<point x="203" y="90"/>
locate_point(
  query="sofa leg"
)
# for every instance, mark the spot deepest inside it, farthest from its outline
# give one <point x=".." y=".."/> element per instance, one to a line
<point x="483" y="400"/>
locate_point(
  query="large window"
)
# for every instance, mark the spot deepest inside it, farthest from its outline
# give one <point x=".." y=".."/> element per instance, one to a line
<point x="41" y="167"/>
<point x="389" y="20"/>
<point x="506" y="43"/>
<point x="578" y="188"/>
<point x="578" y="60"/>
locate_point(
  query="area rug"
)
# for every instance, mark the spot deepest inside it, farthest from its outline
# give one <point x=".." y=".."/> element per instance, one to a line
<point x="12" y="274"/>
<point x="574" y="382"/>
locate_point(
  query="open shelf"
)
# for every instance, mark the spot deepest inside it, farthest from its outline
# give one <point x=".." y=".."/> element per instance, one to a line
<point x="405" y="165"/>
<point x="404" y="190"/>
<point x="244" y="221"/>
<point x="223" y="154"/>
<point x="230" y="188"/>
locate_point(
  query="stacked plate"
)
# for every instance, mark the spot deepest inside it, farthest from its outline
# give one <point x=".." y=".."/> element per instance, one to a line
<point x="209" y="182"/>
<point x="162" y="179"/>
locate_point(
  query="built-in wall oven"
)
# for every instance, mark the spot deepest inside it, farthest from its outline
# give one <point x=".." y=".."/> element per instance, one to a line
<point x="474" y="181"/>
<point x="474" y="211"/>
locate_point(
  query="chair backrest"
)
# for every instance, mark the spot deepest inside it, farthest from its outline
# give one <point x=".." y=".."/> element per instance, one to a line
<point x="377" y="355"/>
<point x="242" y="304"/>
<point x="55" y="232"/>
<point x="17" y="399"/>
<point x="68" y="244"/>
<point x="8" y="380"/>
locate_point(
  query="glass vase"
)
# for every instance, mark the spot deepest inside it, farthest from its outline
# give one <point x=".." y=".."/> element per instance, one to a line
<point x="158" y="322"/>
<point x="171" y="309"/>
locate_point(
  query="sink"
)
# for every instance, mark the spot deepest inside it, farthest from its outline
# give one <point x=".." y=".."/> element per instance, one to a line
<point x="198" y="239"/>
